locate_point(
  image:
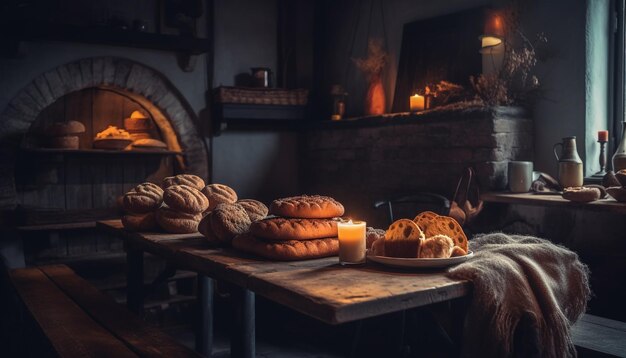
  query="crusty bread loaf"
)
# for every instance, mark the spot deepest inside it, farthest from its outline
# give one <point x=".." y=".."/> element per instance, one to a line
<point x="445" y="225"/>
<point x="185" y="199"/>
<point x="140" y="222"/>
<point x="283" y="229"/>
<point x="60" y="129"/>
<point x="184" y="179"/>
<point x="287" y="250"/>
<point x="176" y="222"/>
<point x="256" y="210"/>
<point x="424" y="218"/>
<point x="378" y="247"/>
<point x="307" y="207"/>
<point x="143" y="198"/>
<point x="204" y="227"/>
<point x="403" y="238"/>
<point x="372" y="235"/>
<point x="147" y="143"/>
<point x="228" y="220"/>
<point x="219" y="194"/>
<point x="457" y="251"/>
<point x="64" y="142"/>
<point x="581" y="194"/>
<point x="438" y="246"/>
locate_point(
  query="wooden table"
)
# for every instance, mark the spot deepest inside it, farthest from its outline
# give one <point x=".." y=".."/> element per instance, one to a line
<point x="604" y="205"/>
<point x="320" y="288"/>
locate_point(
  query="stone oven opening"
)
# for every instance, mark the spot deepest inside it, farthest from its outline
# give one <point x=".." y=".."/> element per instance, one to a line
<point x="98" y="93"/>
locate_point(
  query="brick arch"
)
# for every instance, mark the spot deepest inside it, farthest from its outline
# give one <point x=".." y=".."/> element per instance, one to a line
<point x="170" y="110"/>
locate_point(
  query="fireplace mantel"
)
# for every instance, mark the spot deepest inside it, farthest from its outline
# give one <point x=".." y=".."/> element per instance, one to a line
<point x="368" y="159"/>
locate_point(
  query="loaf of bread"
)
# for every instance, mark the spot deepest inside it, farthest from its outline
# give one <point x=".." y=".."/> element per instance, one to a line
<point x="176" y="222"/>
<point x="143" y="198"/>
<point x="283" y="229"/>
<point x="61" y="129"/>
<point x="307" y="207"/>
<point x="445" y="225"/>
<point x="204" y="227"/>
<point x="228" y="220"/>
<point x="185" y="199"/>
<point x="371" y="235"/>
<point x="287" y="250"/>
<point x="147" y="143"/>
<point x="219" y="194"/>
<point x="424" y="218"/>
<point x="438" y="246"/>
<point x="403" y="239"/>
<point x="64" y="142"/>
<point x="256" y="210"/>
<point x="581" y="194"/>
<point x="140" y="222"/>
<point x="184" y="179"/>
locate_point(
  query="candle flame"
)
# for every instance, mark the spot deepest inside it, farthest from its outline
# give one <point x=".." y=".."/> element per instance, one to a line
<point x="350" y="222"/>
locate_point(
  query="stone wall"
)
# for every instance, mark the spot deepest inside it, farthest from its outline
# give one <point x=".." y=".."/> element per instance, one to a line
<point x="375" y="158"/>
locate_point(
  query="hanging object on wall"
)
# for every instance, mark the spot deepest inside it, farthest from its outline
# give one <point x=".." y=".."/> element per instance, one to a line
<point x="372" y="67"/>
<point x="493" y="34"/>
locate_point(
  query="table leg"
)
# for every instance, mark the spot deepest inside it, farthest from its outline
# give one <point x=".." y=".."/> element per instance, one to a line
<point x="134" y="280"/>
<point x="204" y="333"/>
<point x="242" y="339"/>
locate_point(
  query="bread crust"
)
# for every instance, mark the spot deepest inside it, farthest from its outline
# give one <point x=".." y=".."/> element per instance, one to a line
<point x="191" y="180"/>
<point x="438" y="246"/>
<point x="424" y="218"/>
<point x="219" y="194"/>
<point x="256" y="210"/>
<point x="64" y="142"/>
<point x="140" y="222"/>
<point x="287" y="250"/>
<point x="176" y="222"/>
<point x="60" y="129"/>
<point x="185" y="199"/>
<point x="143" y="198"/>
<point x="371" y="235"/>
<point x="283" y="229"/>
<point x="445" y="225"/>
<point x="228" y="220"/>
<point x="204" y="227"/>
<point x="307" y="207"/>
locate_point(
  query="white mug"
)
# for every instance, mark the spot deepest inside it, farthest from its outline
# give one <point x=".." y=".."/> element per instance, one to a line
<point x="520" y="176"/>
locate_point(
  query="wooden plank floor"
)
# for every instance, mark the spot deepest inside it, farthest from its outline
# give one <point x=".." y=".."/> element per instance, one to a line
<point x="600" y="335"/>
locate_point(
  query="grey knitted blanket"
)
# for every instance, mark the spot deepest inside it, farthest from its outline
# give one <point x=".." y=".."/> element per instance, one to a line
<point x="527" y="292"/>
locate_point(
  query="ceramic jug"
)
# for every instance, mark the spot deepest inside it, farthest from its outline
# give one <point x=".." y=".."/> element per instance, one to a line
<point x="619" y="158"/>
<point x="570" y="165"/>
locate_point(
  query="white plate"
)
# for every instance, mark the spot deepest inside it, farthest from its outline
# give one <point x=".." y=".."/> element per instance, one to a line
<point x="407" y="262"/>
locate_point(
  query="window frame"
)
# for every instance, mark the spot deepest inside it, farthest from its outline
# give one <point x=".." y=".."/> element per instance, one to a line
<point x="617" y="64"/>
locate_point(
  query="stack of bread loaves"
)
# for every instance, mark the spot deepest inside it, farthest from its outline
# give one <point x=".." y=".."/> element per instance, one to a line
<point x="175" y="207"/>
<point x="227" y="216"/>
<point x="427" y="236"/>
<point x="303" y="228"/>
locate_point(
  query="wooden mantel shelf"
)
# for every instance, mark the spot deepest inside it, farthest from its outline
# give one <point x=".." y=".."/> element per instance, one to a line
<point x="606" y="205"/>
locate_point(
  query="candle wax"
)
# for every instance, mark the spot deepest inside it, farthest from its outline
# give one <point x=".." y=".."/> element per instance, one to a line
<point x="603" y="136"/>
<point x="416" y="103"/>
<point x="351" y="242"/>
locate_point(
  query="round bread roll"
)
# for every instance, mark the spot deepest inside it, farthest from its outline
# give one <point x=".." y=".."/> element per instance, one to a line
<point x="60" y="129"/>
<point x="378" y="247"/>
<point x="205" y="229"/>
<point x="609" y="180"/>
<point x="140" y="222"/>
<point x="618" y="193"/>
<point x="372" y="235"/>
<point x="176" y="222"/>
<point x="185" y="199"/>
<point x="256" y="210"/>
<point x="438" y="246"/>
<point x="219" y="194"/>
<point x="621" y="177"/>
<point x="445" y="225"/>
<point x="65" y="142"/>
<point x="228" y="220"/>
<point x="581" y="194"/>
<point x="191" y="180"/>
<point x="143" y="198"/>
<point x="148" y="143"/>
<point x="457" y="251"/>
<point x="424" y="218"/>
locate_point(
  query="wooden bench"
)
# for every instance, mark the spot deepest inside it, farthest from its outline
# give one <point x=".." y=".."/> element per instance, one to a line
<point x="80" y="321"/>
<point x="593" y="335"/>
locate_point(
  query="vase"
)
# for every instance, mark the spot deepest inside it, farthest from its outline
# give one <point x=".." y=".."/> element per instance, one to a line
<point x="619" y="158"/>
<point x="375" y="98"/>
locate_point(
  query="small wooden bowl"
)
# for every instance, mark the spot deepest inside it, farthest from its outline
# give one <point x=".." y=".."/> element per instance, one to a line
<point x="112" y="143"/>
<point x="618" y="193"/>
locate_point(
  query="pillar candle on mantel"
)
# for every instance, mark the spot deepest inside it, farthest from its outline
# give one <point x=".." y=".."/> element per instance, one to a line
<point x="416" y="103"/>
<point x="351" y="242"/>
<point x="603" y="136"/>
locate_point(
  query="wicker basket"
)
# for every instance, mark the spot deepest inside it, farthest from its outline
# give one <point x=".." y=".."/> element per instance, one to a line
<point x="269" y="96"/>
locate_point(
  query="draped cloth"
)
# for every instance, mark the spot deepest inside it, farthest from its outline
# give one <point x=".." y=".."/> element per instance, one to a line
<point x="527" y="293"/>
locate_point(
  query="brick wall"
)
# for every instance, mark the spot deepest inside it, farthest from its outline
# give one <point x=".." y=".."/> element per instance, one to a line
<point x="375" y="158"/>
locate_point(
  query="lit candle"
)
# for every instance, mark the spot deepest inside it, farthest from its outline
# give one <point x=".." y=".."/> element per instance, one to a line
<point x="416" y="103"/>
<point x="351" y="242"/>
<point x="603" y="136"/>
